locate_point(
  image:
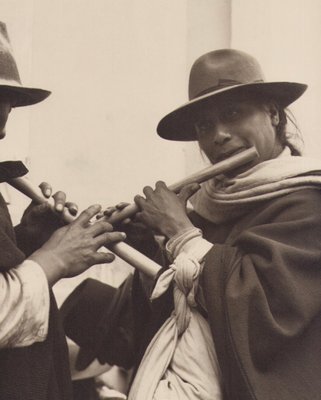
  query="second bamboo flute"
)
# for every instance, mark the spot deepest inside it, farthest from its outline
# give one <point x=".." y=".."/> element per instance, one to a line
<point x="121" y="249"/>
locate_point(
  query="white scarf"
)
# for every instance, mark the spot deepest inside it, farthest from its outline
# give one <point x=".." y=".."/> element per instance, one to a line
<point x="220" y="200"/>
<point x="180" y="362"/>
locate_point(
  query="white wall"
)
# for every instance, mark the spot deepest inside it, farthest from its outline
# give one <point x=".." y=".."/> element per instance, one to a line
<point x="106" y="63"/>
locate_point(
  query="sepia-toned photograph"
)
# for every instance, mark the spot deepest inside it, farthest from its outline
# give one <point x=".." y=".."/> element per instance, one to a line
<point x="160" y="197"/>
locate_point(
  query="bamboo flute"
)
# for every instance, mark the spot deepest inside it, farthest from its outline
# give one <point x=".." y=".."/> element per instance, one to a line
<point x="198" y="177"/>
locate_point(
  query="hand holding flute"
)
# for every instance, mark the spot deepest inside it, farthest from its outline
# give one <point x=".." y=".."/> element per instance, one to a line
<point x="74" y="248"/>
<point x="64" y="251"/>
<point x="233" y="162"/>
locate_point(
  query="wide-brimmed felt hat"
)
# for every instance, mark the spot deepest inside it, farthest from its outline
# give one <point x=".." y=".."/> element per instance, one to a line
<point x="10" y="82"/>
<point x="98" y="317"/>
<point x="219" y="74"/>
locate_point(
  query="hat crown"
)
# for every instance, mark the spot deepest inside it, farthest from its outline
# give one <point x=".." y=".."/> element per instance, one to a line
<point x="8" y="67"/>
<point x="222" y="68"/>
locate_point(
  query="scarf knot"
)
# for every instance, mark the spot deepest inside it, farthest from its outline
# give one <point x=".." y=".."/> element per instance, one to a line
<point x="184" y="272"/>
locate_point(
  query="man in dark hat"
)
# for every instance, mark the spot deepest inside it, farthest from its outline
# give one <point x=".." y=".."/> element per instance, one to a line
<point x="33" y="351"/>
<point x="237" y="315"/>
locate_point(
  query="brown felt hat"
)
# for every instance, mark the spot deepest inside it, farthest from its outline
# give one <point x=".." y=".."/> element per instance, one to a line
<point x="218" y="74"/>
<point x="10" y="82"/>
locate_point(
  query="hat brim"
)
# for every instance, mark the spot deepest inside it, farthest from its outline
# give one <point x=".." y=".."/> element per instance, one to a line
<point x="92" y="336"/>
<point x="87" y="355"/>
<point x="179" y="124"/>
<point x="25" y="96"/>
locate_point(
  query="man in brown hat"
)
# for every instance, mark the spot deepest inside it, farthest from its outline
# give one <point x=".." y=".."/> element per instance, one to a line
<point x="237" y="315"/>
<point x="33" y="351"/>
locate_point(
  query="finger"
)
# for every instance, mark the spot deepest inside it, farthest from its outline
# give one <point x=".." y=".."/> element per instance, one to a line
<point x="85" y="216"/>
<point x="100" y="227"/>
<point x="72" y="207"/>
<point x="100" y="215"/>
<point x="103" y="258"/>
<point x="109" y="210"/>
<point x="148" y="191"/>
<point x="121" y="205"/>
<point x="188" y="191"/>
<point x="139" y="200"/>
<point x="160" y="185"/>
<point x="60" y="200"/>
<point x="109" y="238"/>
<point x="46" y="189"/>
<point x="139" y="216"/>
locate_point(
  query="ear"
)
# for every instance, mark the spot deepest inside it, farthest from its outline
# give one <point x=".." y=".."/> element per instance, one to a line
<point x="274" y="115"/>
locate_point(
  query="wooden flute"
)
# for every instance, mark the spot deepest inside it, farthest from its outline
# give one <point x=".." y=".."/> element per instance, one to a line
<point x="121" y="249"/>
<point x="205" y="174"/>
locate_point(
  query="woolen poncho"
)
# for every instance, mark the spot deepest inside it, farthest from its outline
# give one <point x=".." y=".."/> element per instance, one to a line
<point x="262" y="284"/>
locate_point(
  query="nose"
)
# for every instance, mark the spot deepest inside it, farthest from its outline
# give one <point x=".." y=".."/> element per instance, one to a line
<point x="222" y="134"/>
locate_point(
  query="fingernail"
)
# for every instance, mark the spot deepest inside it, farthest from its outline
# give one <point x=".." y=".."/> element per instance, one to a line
<point x="59" y="207"/>
<point x="47" y="192"/>
<point x="123" y="235"/>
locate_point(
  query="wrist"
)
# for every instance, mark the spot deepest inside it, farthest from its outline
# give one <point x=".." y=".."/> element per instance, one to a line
<point x="52" y="265"/>
<point x="172" y="230"/>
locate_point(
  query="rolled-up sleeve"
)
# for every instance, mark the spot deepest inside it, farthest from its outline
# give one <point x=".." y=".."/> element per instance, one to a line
<point x="24" y="305"/>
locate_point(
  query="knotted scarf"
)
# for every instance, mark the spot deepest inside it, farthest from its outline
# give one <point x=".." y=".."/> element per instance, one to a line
<point x="180" y="362"/>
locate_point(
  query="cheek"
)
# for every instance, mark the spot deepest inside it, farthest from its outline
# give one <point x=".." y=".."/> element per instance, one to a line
<point x="204" y="145"/>
<point x="265" y="141"/>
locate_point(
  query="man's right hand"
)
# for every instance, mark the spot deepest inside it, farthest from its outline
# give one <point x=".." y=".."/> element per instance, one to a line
<point x="138" y="235"/>
<point x="74" y="248"/>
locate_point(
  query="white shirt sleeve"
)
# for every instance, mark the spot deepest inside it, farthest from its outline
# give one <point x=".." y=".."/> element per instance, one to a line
<point x="24" y="305"/>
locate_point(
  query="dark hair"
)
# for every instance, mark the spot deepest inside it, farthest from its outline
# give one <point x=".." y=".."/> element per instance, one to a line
<point x="288" y="138"/>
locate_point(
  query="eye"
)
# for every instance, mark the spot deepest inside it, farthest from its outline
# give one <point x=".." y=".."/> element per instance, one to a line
<point x="203" y="126"/>
<point x="231" y="114"/>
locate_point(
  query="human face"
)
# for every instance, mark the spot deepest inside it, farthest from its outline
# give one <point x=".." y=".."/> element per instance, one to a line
<point x="232" y="126"/>
<point x="5" y="108"/>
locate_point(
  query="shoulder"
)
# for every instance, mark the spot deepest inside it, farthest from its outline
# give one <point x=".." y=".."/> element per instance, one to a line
<point x="306" y="202"/>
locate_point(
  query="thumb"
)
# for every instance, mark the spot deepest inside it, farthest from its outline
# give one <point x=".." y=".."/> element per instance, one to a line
<point x="188" y="191"/>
